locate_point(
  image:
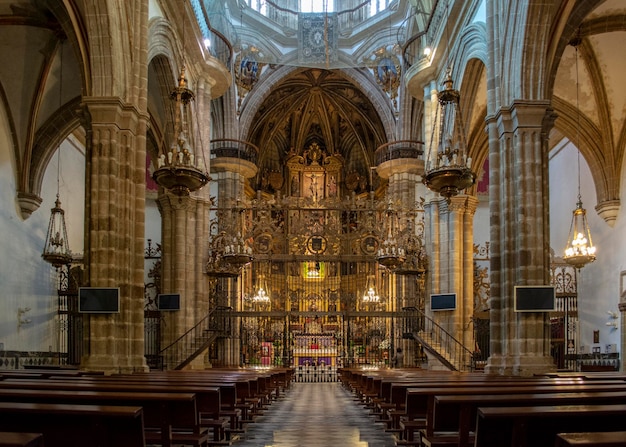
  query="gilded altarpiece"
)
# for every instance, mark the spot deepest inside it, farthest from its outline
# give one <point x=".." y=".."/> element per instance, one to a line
<point x="314" y="250"/>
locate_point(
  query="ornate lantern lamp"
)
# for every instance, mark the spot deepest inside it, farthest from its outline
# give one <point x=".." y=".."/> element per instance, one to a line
<point x="56" y="249"/>
<point x="179" y="170"/>
<point x="579" y="250"/>
<point x="448" y="168"/>
<point x="391" y="252"/>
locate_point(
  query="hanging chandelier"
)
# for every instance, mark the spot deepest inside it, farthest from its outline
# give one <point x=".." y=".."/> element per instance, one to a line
<point x="261" y="296"/>
<point x="237" y="253"/>
<point x="391" y="253"/>
<point x="56" y="249"/>
<point x="579" y="250"/>
<point x="179" y="170"/>
<point x="370" y="295"/>
<point x="448" y="168"/>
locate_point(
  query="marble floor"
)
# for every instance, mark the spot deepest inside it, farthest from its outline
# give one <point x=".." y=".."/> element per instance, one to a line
<point x="316" y="415"/>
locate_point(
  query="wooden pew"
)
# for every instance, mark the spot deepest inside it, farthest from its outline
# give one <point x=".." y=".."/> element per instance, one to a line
<point x="457" y="413"/>
<point x="17" y="439"/>
<point x="538" y="426"/>
<point x="163" y="413"/>
<point x="206" y="398"/>
<point x="64" y="425"/>
<point x="420" y="401"/>
<point x="591" y="439"/>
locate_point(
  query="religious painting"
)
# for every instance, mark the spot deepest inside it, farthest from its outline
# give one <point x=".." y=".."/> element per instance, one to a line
<point x="313" y="186"/>
<point x="331" y="187"/>
<point x="387" y="73"/>
<point x="248" y="71"/>
<point x="294" y="188"/>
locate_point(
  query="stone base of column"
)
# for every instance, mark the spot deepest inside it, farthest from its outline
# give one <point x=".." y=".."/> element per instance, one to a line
<point x="110" y="364"/>
<point x="519" y="365"/>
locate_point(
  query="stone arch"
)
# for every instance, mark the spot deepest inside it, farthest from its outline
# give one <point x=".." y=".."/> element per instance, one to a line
<point x="116" y="29"/>
<point x="365" y="82"/>
<point x="49" y="137"/>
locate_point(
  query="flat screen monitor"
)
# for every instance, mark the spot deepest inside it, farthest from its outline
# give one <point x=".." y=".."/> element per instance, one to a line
<point x="168" y="301"/>
<point x="99" y="300"/>
<point x="534" y="299"/>
<point x="443" y="301"/>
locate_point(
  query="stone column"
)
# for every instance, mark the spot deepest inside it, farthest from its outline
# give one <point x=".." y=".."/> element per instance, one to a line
<point x="622" y="326"/>
<point x="184" y="236"/>
<point x="461" y="257"/>
<point x="231" y="175"/>
<point x="451" y="245"/>
<point x="520" y="342"/>
<point x="114" y="237"/>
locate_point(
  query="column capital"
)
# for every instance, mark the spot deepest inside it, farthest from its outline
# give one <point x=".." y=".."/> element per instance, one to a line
<point x="112" y="110"/>
<point x="524" y="114"/>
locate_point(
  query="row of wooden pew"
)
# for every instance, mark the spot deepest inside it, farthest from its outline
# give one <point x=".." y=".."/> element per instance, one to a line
<point x="441" y="408"/>
<point x="195" y="408"/>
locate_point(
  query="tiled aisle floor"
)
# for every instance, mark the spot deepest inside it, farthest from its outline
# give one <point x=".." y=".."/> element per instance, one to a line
<point x="316" y="415"/>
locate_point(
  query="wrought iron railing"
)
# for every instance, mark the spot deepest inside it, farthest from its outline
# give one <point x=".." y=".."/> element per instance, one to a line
<point x="399" y="149"/>
<point x="232" y="148"/>
<point x="196" y="340"/>
<point x="437" y="341"/>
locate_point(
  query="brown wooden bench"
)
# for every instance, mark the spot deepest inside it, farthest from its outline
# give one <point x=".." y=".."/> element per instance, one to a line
<point x="16" y="439"/>
<point x="206" y="399"/>
<point x="457" y="413"/>
<point x="538" y="426"/>
<point x="65" y="425"/>
<point x="168" y="417"/>
<point x="420" y="401"/>
<point x="591" y="439"/>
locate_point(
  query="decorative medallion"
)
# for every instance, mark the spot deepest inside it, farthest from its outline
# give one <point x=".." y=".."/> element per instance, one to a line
<point x="387" y="71"/>
<point x="316" y="244"/>
<point x="247" y="71"/>
<point x="263" y="243"/>
<point x="369" y="245"/>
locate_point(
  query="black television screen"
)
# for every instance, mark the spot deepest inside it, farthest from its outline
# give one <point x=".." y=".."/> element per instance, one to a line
<point x="443" y="301"/>
<point x="168" y="301"/>
<point x="534" y="299"/>
<point x="99" y="300"/>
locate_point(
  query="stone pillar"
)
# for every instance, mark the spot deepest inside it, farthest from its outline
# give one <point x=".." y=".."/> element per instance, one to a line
<point x="622" y="330"/>
<point x="520" y="342"/>
<point x="184" y="247"/>
<point x="451" y="247"/>
<point x="114" y="237"/>
<point x="231" y="175"/>
<point x="461" y="257"/>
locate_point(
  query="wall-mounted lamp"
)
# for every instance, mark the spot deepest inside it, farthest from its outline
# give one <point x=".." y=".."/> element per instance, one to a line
<point x="427" y="51"/>
<point x="613" y="316"/>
